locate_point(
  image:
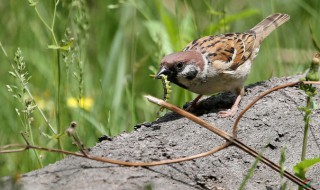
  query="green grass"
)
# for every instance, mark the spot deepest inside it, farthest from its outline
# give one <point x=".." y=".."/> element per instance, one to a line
<point x="116" y="45"/>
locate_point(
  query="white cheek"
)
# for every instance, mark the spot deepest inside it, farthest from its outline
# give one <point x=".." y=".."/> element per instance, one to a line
<point x="182" y="76"/>
<point x="186" y="70"/>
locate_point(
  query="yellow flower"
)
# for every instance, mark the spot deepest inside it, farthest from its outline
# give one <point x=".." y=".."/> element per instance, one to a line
<point x="84" y="103"/>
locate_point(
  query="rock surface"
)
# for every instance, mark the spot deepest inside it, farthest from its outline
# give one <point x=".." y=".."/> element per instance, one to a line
<point x="273" y="122"/>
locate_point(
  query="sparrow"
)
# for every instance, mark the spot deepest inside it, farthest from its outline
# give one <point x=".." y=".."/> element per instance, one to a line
<point x="218" y="63"/>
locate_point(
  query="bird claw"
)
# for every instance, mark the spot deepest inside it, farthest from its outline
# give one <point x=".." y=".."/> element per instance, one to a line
<point x="230" y="112"/>
<point x="194" y="104"/>
<point x="192" y="107"/>
<point x="225" y="113"/>
<point x="189" y="108"/>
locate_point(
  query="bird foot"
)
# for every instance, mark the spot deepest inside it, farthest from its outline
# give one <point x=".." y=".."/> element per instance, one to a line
<point x="230" y="112"/>
<point x="194" y="104"/>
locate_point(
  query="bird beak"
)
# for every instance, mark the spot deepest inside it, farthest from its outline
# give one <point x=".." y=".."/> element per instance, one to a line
<point x="164" y="71"/>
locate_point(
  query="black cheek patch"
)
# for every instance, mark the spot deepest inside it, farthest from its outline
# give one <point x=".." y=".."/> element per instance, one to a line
<point x="175" y="81"/>
<point x="191" y="74"/>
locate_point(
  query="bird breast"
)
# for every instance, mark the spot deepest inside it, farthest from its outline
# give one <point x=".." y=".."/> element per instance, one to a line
<point x="215" y="81"/>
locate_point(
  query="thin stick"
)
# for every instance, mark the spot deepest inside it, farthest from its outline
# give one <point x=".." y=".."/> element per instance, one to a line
<point x="107" y="160"/>
<point x="235" y="130"/>
<point x="229" y="138"/>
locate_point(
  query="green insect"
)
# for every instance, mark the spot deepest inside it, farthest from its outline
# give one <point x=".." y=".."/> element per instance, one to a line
<point x="166" y="89"/>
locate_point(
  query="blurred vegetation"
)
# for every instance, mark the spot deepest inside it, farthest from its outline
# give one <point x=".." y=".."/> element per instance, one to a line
<point x="109" y="48"/>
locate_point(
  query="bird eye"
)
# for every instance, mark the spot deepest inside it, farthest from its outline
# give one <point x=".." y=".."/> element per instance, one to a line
<point x="179" y="66"/>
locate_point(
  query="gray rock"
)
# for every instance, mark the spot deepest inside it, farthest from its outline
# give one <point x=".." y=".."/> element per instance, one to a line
<point x="274" y="122"/>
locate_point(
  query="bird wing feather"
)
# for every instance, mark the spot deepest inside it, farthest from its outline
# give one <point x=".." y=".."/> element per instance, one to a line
<point x="230" y="49"/>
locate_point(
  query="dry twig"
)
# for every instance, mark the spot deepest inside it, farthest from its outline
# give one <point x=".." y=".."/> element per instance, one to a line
<point x="263" y="95"/>
<point x="23" y="147"/>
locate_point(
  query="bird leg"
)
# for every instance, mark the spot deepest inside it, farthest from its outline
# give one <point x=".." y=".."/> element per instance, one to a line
<point x="194" y="103"/>
<point x="232" y="112"/>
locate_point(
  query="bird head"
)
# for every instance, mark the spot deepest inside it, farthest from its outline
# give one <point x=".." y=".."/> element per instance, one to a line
<point x="181" y="67"/>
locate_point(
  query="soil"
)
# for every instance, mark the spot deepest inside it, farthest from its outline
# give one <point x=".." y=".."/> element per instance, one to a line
<point x="273" y="124"/>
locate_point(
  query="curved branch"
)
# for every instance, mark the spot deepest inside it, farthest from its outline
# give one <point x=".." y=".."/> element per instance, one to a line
<point x="108" y="160"/>
<point x="235" y="130"/>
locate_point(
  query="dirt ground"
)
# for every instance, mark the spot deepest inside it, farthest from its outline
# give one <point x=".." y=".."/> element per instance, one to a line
<point x="274" y="122"/>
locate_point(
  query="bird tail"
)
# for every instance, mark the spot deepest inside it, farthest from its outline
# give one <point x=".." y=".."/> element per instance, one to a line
<point x="267" y="25"/>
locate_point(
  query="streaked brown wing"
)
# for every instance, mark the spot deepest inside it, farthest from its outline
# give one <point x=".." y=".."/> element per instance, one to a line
<point x="233" y="49"/>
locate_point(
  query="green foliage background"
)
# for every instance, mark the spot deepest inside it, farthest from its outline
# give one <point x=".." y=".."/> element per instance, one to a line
<point x="120" y="42"/>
